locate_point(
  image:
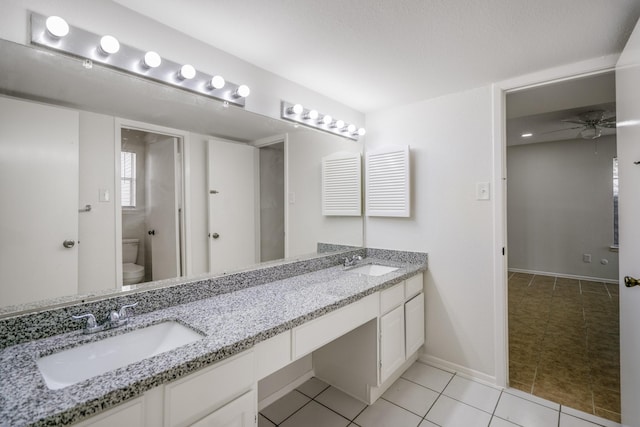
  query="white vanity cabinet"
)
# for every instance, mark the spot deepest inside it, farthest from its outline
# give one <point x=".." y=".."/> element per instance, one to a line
<point x="414" y="314"/>
<point x="361" y="348"/>
<point x="130" y="414"/>
<point x="238" y="413"/>
<point x="392" y="325"/>
<point x="220" y="395"/>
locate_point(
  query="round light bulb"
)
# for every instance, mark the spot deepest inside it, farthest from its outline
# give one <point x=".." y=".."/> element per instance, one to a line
<point x="351" y="128"/>
<point x="362" y="131"/>
<point x="297" y="109"/>
<point x="313" y="114"/>
<point x="243" y="91"/>
<point x="152" y="59"/>
<point x="109" y="45"/>
<point x="57" y="27"/>
<point x="326" y="120"/>
<point x="217" y="82"/>
<point x="339" y="124"/>
<point x="187" y="72"/>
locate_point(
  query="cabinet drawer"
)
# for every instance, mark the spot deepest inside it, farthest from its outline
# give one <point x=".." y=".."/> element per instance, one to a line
<point x="413" y="285"/>
<point x="391" y="298"/>
<point x="272" y="354"/>
<point x="239" y="413"/>
<point x="318" y="332"/>
<point x="195" y="396"/>
<point x="127" y="414"/>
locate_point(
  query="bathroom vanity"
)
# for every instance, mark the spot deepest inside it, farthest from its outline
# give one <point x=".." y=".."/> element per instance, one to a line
<point x="364" y="326"/>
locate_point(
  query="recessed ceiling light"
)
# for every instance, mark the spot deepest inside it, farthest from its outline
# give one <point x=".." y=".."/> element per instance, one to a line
<point x="526" y="135"/>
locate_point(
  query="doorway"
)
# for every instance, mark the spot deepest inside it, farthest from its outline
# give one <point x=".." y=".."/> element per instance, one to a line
<point x="563" y="321"/>
<point x="151" y="204"/>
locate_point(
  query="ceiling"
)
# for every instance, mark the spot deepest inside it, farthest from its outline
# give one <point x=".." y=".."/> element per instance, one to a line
<point x="541" y="110"/>
<point x="373" y="54"/>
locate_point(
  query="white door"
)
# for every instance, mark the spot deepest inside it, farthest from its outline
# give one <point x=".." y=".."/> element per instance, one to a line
<point x="162" y="208"/>
<point x="232" y="205"/>
<point x="38" y="201"/>
<point x="628" y="140"/>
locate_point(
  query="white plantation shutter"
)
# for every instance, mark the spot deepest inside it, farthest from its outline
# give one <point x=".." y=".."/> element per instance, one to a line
<point x="342" y="185"/>
<point x="387" y="181"/>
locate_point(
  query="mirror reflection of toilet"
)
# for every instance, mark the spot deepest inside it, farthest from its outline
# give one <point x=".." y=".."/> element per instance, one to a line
<point x="132" y="273"/>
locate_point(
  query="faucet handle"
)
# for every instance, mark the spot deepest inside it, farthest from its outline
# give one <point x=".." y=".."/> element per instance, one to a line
<point x="123" y="311"/>
<point x="92" y="325"/>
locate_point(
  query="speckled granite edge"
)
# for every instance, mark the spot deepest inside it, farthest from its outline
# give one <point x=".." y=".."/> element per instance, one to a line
<point x="48" y="322"/>
<point x="332" y="247"/>
<point x="397" y="256"/>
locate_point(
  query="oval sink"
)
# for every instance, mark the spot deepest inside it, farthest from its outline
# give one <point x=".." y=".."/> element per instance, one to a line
<point x="372" y="270"/>
<point x="76" y="364"/>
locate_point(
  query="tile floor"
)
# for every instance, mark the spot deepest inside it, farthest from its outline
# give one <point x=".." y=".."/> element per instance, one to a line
<point x="564" y="342"/>
<point x="424" y="396"/>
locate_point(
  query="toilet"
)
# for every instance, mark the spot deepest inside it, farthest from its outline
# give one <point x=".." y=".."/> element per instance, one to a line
<point x="132" y="273"/>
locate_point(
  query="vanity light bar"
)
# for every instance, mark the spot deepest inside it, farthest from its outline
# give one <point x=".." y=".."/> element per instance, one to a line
<point x="312" y="118"/>
<point x="54" y="33"/>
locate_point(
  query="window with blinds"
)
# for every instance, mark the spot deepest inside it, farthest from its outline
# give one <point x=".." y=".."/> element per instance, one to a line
<point x="127" y="179"/>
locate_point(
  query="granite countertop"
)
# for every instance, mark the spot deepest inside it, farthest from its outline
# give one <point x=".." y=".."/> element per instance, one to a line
<point x="231" y="322"/>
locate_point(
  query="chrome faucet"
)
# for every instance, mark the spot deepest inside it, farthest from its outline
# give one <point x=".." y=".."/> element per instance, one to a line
<point x="115" y="319"/>
<point x="350" y="262"/>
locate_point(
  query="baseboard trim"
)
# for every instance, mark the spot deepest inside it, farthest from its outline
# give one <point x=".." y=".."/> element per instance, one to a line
<point x="284" y="390"/>
<point x="566" y="276"/>
<point x="458" y="369"/>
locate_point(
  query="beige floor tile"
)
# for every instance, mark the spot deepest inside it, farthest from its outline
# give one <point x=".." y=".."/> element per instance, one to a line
<point x="567" y="341"/>
<point x="606" y="399"/>
<point x="608" y="415"/>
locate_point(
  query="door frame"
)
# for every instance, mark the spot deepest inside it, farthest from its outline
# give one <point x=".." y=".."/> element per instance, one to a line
<point x="264" y="142"/>
<point x="185" y="201"/>
<point x="499" y="91"/>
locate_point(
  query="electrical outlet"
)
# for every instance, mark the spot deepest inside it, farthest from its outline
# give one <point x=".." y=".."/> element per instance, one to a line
<point x="586" y="258"/>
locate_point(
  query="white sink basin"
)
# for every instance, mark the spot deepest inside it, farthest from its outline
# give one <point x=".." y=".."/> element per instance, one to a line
<point x="372" y="270"/>
<point x="89" y="360"/>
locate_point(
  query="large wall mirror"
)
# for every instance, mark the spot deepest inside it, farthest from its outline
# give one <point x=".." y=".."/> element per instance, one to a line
<point x="109" y="181"/>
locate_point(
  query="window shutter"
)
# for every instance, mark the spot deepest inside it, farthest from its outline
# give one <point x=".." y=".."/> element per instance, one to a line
<point x="342" y="184"/>
<point x="387" y="182"/>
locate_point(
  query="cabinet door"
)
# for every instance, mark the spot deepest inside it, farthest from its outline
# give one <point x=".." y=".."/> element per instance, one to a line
<point x="391" y="342"/>
<point x="414" y="323"/>
<point x="242" y="412"/>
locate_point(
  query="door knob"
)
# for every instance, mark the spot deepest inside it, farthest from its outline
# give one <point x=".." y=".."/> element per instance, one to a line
<point x="630" y="282"/>
<point x="214" y="235"/>
<point x="68" y="244"/>
<point x="151" y="232"/>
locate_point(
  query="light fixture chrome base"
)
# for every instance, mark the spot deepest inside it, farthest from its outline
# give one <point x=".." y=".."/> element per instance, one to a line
<point x="85" y="44"/>
<point x="287" y="112"/>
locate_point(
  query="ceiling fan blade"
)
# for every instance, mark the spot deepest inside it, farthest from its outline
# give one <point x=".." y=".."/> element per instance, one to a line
<point x="577" y="122"/>
<point x="562" y="130"/>
<point x="608" y="125"/>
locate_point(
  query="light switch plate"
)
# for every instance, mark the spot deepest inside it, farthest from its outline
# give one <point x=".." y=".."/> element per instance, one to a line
<point x="483" y="191"/>
<point x="103" y="195"/>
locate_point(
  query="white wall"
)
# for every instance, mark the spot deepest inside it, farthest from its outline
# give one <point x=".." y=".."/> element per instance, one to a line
<point x="451" y="150"/>
<point x="307" y="226"/>
<point x="105" y="17"/>
<point x="96" y="229"/>
<point x="560" y="206"/>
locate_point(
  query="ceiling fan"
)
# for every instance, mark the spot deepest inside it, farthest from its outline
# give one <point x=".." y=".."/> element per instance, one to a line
<point x="591" y="123"/>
